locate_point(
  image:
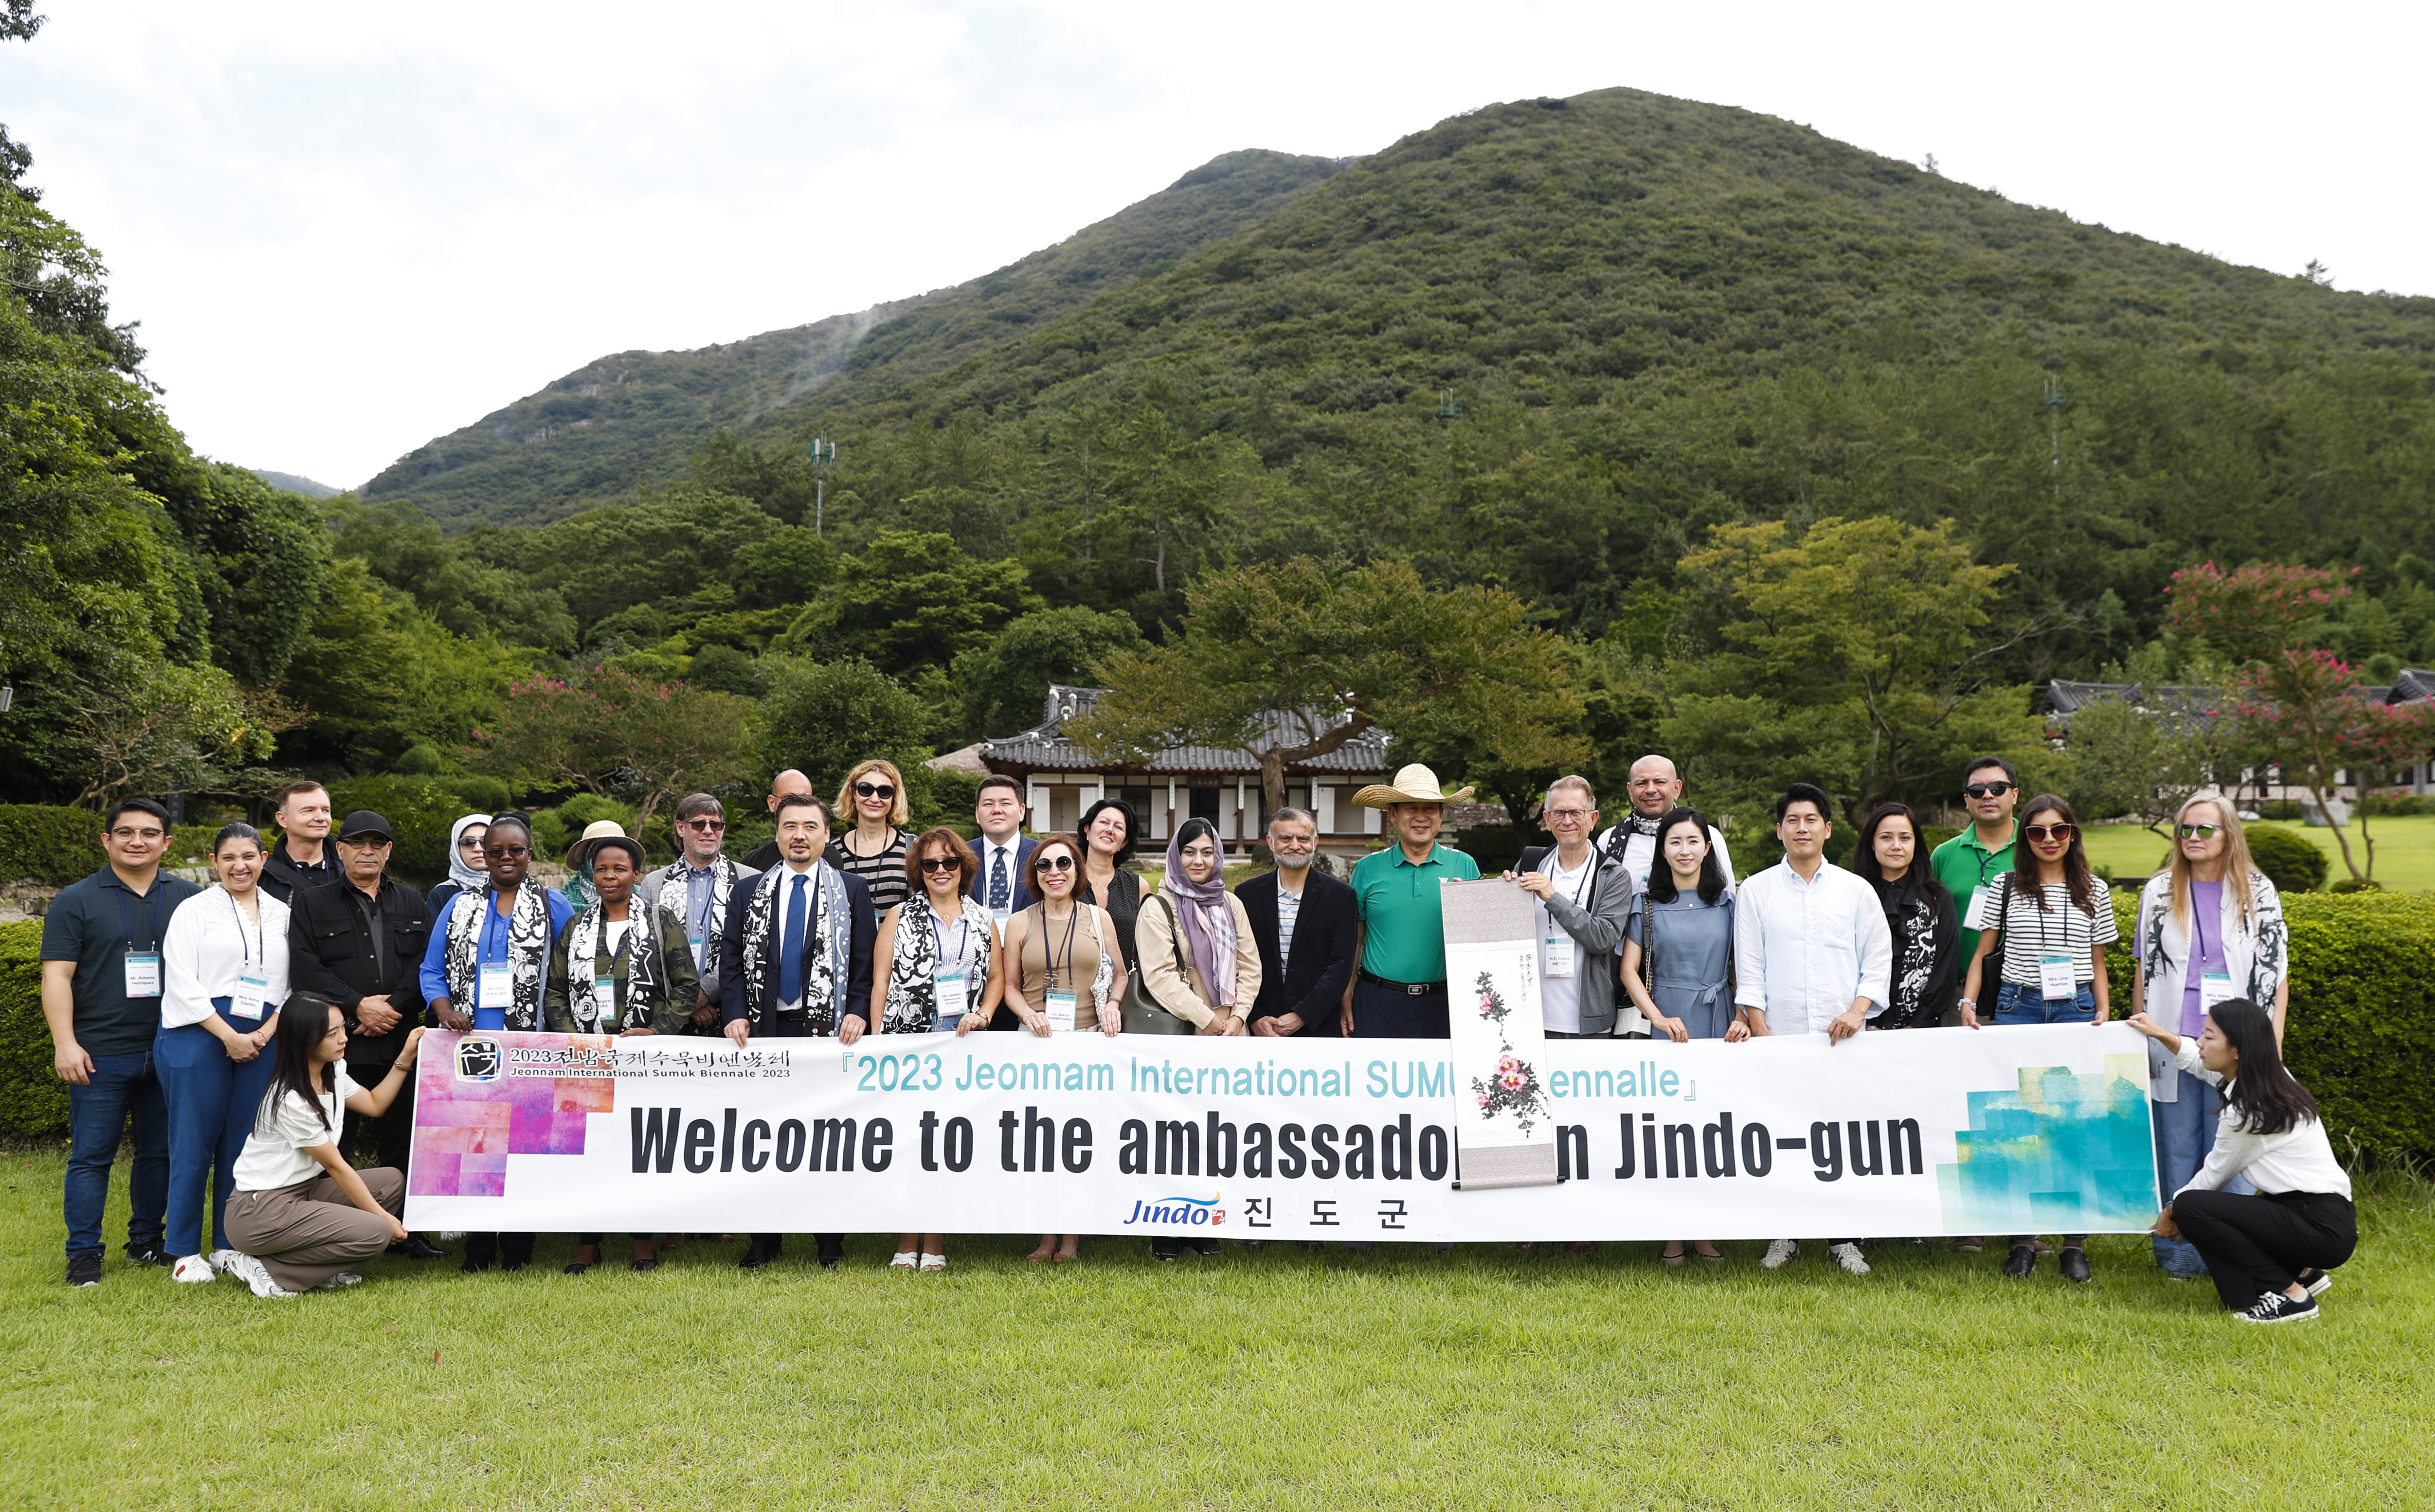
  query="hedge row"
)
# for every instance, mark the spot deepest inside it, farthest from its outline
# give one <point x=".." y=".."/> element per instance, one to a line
<point x="2362" y="1020"/>
<point x="51" y="845"/>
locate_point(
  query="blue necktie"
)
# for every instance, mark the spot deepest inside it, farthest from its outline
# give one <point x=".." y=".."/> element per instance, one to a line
<point x="997" y="898"/>
<point x="791" y="954"/>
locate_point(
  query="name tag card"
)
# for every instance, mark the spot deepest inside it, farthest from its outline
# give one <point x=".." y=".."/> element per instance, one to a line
<point x="252" y="992"/>
<point x="143" y="973"/>
<point x="2056" y="978"/>
<point x="2214" y="988"/>
<point x="604" y="993"/>
<point x="1556" y="954"/>
<point x="1060" y="1012"/>
<point x="950" y="1000"/>
<point x="495" y="988"/>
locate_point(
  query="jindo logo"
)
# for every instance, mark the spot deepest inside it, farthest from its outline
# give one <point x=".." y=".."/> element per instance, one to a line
<point x="478" y="1060"/>
<point x="1177" y="1212"/>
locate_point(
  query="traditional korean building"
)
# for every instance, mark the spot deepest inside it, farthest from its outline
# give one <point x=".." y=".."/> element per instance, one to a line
<point x="1183" y="781"/>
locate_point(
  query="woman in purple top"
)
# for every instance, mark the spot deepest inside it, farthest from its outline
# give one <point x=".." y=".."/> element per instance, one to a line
<point x="2210" y="931"/>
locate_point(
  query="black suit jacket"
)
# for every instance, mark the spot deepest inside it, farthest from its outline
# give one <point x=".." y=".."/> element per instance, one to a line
<point x="348" y="947"/>
<point x="1022" y="898"/>
<point x="1314" y="984"/>
<point x="854" y="994"/>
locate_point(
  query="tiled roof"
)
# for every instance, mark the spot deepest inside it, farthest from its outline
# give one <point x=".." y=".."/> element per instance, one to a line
<point x="1045" y="748"/>
<point x="2411" y="685"/>
<point x="2063" y="699"/>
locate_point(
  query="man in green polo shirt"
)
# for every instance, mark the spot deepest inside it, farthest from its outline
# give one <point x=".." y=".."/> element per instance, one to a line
<point x="1973" y="859"/>
<point x="1400" y="992"/>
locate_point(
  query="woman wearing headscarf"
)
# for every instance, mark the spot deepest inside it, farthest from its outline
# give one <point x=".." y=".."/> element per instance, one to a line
<point x="1920" y="916"/>
<point x="466" y="872"/>
<point x="1200" y="961"/>
<point x="2210" y="929"/>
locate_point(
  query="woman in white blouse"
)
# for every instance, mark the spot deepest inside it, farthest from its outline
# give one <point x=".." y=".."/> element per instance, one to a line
<point x="224" y="975"/>
<point x="301" y="1214"/>
<point x="2268" y="1253"/>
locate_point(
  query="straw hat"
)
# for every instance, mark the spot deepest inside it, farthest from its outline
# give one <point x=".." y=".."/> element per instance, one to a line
<point x="596" y="834"/>
<point x="1415" y="783"/>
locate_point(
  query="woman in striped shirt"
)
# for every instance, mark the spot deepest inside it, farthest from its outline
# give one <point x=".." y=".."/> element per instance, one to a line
<point x="872" y="796"/>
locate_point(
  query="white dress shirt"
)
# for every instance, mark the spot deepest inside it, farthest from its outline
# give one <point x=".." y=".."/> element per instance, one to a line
<point x="1804" y="949"/>
<point x="208" y="941"/>
<point x="2300" y="1159"/>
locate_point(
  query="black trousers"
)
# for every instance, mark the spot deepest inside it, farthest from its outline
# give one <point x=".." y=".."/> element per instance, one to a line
<point x="793" y="1026"/>
<point x="2253" y="1244"/>
<point x="1382" y="1013"/>
<point x="516" y="1247"/>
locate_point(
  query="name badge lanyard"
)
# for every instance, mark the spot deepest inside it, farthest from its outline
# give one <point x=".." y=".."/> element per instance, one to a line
<point x="1061" y="1004"/>
<point x="252" y="978"/>
<point x="142" y="968"/>
<point x="2057" y="978"/>
<point x="604" y="984"/>
<point x="948" y="987"/>
<point x="495" y="982"/>
<point x="2214" y="986"/>
<point x="1556" y="946"/>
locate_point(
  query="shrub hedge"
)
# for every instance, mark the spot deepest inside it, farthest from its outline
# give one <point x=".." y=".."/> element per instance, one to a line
<point x="2362" y="1018"/>
<point x="420" y="811"/>
<point x="2293" y="864"/>
<point x="51" y="845"/>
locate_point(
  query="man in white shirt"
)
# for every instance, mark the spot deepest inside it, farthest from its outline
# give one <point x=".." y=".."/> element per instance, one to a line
<point x="1811" y="954"/>
<point x="1656" y="790"/>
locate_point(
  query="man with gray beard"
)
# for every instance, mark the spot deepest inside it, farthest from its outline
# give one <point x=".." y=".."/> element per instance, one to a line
<point x="1303" y="921"/>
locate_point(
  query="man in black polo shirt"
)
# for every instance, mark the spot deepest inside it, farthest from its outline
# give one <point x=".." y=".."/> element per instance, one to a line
<point x="301" y="859"/>
<point x="101" y="997"/>
<point x="360" y="944"/>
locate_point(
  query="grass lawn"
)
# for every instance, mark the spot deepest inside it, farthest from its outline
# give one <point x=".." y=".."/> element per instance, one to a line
<point x="2404" y="850"/>
<point x="1284" y="1378"/>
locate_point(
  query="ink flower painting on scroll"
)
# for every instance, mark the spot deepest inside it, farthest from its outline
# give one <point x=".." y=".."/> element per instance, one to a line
<point x="1513" y="1087"/>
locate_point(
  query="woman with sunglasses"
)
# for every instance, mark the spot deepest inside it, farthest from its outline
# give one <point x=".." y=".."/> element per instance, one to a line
<point x="874" y="845"/>
<point x="1063" y="974"/>
<point x="2053" y="921"/>
<point x="936" y="969"/>
<point x="466" y="869"/>
<point x="2210" y="930"/>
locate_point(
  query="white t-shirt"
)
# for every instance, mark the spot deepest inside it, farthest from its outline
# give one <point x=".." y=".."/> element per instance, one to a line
<point x="274" y="1155"/>
<point x="1560" y="997"/>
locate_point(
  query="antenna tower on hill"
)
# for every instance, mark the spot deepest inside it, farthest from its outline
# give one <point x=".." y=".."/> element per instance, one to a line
<point x="2053" y="403"/>
<point x="823" y="453"/>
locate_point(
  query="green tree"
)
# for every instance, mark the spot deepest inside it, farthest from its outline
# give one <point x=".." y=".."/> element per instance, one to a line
<point x="171" y="728"/>
<point x="911" y="601"/>
<point x="820" y="717"/>
<point x="610" y="734"/>
<point x="1286" y="663"/>
<point x="1859" y="656"/>
<point x="1005" y="684"/>
<point x="2139" y="757"/>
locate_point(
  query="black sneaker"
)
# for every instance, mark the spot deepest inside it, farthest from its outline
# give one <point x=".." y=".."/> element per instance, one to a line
<point x="2315" y="1280"/>
<point x="1166" y="1249"/>
<point x="757" y="1254"/>
<point x="2025" y="1260"/>
<point x="831" y="1252"/>
<point x="151" y="1254"/>
<point x="476" y="1265"/>
<point x="2075" y="1263"/>
<point x="2273" y="1307"/>
<point x="1205" y="1247"/>
<point x="84" y="1270"/>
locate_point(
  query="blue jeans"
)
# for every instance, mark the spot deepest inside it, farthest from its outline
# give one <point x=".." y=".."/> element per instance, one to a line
<point x="2184" y="1133"/>
<point x="211" y="1101"/>
<point x="120" y="1088"/>
<point x="2015" y="1004"/>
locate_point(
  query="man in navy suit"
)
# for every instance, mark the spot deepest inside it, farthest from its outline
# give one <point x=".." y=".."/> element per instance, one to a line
<point x="796" y="935"/>
<point x="1304" y="921"/>
<point x="1005" y="854"/>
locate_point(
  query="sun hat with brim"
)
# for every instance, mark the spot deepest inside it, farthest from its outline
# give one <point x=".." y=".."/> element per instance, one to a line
<point x="1415" y="783"/>
<point x="597" y="833"/>
<point x="363" y="822"/>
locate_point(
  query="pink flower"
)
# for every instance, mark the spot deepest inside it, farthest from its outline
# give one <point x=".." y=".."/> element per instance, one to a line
<point x="1511" y="1080"/>
<point x="1483" y="1102"/>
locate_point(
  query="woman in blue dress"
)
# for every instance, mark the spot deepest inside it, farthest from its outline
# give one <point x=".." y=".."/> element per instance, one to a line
<point x="1678" y="951"/>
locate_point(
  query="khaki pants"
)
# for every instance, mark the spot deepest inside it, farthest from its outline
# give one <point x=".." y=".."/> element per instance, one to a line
<point x="306" y="1233"/>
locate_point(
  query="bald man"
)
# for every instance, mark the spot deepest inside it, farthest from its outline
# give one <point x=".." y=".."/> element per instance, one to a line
<point x="1655" y="789"/>
<point x="785" y="784"/>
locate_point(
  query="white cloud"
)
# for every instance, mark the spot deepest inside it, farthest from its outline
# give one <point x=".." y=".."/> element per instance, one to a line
<point x="348" y="231"/>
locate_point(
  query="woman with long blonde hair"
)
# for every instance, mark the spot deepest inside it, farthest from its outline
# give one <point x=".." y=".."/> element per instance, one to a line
<point x="2210" y="930"/>
<point x="872" y="810"/>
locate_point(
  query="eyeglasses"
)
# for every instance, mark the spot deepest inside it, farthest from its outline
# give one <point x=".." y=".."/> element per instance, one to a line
<point x="1567" y="814"/>
<point x="705" y="826"/>
<point x="509" y="852"/>
<point x="873" y="790"/>
<point x="2049" y="831"/>
<point x="471" y="842"/>
<point x="941" y="863"/>
<point x="1987" y="789"/>
<point x="123" y="833"/>
<point x="2196" y="832"/>
<point x="1055" y="863"/>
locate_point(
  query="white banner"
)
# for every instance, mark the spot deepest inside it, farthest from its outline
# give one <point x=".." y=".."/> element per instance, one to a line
<point x="1938" y="1131"/>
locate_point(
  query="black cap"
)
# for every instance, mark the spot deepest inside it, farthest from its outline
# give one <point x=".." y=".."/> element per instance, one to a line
<point x="363" y="822"/>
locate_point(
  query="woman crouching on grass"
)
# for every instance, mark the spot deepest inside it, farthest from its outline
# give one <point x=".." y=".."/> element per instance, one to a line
<point x="2268" y="1253"/>
<point x="936" y="970"/>
<point x="301" y="1214"/>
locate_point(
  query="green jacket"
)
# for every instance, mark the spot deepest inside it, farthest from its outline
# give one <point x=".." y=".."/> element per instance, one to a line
<point x="669" y="1000"/>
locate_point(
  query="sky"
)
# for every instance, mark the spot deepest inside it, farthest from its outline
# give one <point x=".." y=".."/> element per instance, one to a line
<point x="347" y="229"/>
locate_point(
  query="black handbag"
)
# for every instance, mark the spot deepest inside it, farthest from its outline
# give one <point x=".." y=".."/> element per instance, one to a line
<point x="1143" y="1013"/>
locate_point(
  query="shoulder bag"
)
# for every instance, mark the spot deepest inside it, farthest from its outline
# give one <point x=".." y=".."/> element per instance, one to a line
<point x="1144" y="1014"/>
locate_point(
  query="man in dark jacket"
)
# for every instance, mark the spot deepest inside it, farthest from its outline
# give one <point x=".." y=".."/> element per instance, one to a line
<point x="1304" y="922"/>
<point x="360" y="944"/>
<point x="302" y="860"/>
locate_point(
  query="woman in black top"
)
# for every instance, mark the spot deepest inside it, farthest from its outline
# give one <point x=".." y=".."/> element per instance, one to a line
<point x="1926" y="925"/>
<point x="872" y="812"/>
<point x="1107" y="834"/>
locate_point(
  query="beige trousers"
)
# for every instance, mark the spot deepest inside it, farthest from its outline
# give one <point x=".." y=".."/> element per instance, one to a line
<point x="306" y="1233"/>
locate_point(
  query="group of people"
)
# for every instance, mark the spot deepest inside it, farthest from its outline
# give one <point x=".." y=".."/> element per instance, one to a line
<point x="240" y="1027"/>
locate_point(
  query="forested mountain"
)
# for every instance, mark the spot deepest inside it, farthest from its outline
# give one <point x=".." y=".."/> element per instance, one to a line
<point x="631" y="419"/>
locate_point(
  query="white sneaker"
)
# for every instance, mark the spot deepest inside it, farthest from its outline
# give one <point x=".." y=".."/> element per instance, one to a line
<point x="934" y="1263"/>
<point x="220" y="1259"/>
<point x="192" y="1268"/>
<point x="905" y="1260"/>
<point x="1848" y="1256"/>
<point x="252" y="1271"/>
<point x="340" y="1281"/>
<point x="1779" y="1251"/>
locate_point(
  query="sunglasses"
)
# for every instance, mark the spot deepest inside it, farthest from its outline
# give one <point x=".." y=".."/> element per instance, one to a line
<point x="707" y="826"/>
<point x="873" y="790"/>
<point x="2196" y="832"/>
<point x="471" y="842"/>
<point x="1987" y="789"/>
<point x="2049" y="831"/>
<point x="1057" y="863"/>
<point x="941" y="863"/>
<point x="510" y="852"/>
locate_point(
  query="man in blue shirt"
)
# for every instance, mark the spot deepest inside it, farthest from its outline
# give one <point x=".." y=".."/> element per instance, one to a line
<point x="101" y="997"/>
